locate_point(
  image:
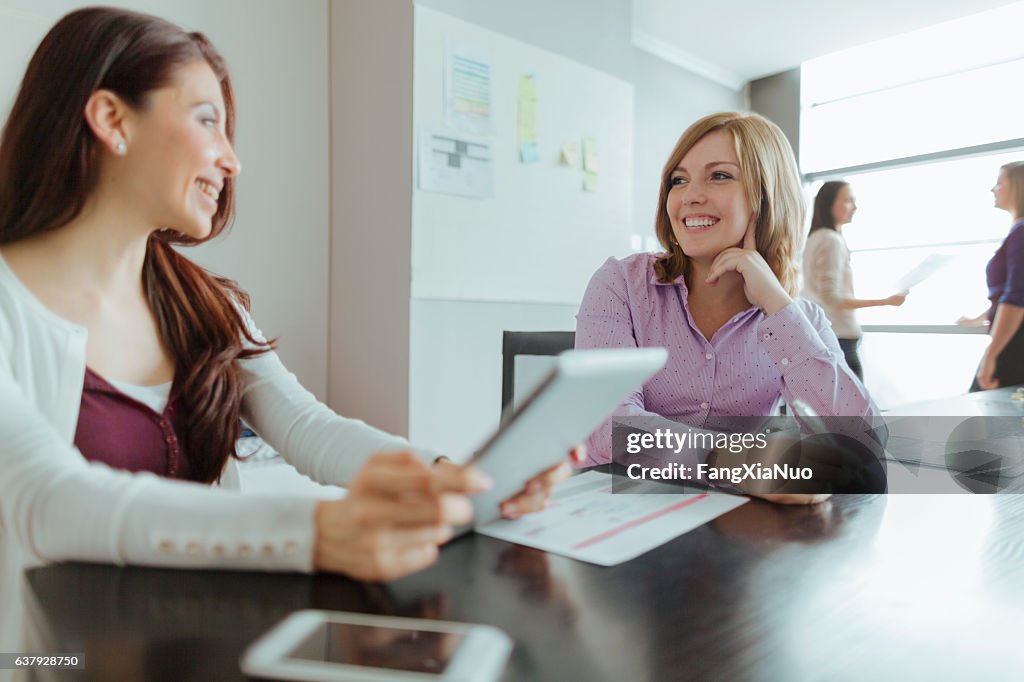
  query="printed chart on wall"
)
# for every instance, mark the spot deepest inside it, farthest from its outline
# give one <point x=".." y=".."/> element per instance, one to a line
<point x="522" y="153"/>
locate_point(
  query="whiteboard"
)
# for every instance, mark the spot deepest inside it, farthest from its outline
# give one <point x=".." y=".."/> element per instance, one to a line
<point x="538" y="237"/>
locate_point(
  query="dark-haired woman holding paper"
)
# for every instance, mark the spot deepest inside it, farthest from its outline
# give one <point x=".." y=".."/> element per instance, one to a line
<point x="828" y="276"/>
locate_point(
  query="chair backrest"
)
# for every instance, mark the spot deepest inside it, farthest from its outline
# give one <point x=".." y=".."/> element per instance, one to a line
<point x="518" y="378"/>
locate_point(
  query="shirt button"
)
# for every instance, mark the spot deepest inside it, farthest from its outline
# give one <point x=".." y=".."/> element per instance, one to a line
<point x="166" y="546"/>
<point x="194" y="548"/>
<point x="244" y="549"/>
<point x="784" y="361"/>
<point x="767" y="336"/>
<point x="267" y="549"/>
<point x="291" y="547"/>
<point x="709" y="356"/>
<point x="703" y="406"/>
<point x="220" y="550"/>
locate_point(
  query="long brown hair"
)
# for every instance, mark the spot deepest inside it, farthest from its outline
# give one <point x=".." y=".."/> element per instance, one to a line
<point x="823" y="203"/>
<point x="49" y="162"/>
<point x="769" y="176"/>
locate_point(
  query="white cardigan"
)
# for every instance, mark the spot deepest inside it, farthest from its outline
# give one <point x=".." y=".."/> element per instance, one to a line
<point x="58" y="506"/>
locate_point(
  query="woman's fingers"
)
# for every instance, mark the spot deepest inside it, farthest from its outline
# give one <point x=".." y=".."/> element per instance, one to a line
<point x="400" y="473"/>
<point x="463" y="479"/>
<point x="537" y="492"/>
<point x="391" y="553"/>
<point x="723" y="263"/>
<point x="446" y="509"/>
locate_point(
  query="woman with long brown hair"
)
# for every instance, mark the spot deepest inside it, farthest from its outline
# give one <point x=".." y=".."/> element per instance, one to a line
<point x="124" y="365"/>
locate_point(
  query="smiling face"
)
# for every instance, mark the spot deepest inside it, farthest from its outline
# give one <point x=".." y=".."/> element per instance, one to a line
<point x="178" y="156"/>
<point x="843" y="207"/>
<point x="707" y="205"/>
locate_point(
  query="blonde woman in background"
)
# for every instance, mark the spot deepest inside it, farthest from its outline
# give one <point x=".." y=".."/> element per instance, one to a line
<point x="1003" y="361"/>
<point x="828" y="277"/>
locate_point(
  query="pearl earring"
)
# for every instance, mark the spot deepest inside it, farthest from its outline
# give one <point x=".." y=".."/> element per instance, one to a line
<point x="120" y="148"/>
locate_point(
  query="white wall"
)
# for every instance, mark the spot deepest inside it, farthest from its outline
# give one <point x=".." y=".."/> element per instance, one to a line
<point x="278" y="249"/>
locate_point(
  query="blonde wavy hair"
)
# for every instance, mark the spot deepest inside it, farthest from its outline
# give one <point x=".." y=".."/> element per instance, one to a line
<point x="771" y="181"/>
<point x="1015" y="174"/>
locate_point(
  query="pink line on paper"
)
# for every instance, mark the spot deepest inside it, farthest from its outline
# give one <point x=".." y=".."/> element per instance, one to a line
<point x="600" y="537"/>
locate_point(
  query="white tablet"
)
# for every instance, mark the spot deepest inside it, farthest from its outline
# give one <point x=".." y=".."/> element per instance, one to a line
<point x="584" y="387"/>
<point x="317" y="646"/>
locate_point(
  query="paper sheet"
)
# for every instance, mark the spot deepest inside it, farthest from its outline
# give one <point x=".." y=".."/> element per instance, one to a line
<point x="925" y="269"/>
<point x="526" y="119"/>
<point x="455" y="163"/>
<point x="467" y="89"/>
<point x="587" y="522"/>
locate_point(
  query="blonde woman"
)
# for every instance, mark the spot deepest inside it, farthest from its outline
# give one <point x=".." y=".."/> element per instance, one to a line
<point x="720" y="297"/>
<point x="1003" y="361"/>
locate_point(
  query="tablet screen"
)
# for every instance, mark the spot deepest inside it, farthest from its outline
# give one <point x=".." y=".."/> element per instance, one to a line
<point x="425" y="651"/>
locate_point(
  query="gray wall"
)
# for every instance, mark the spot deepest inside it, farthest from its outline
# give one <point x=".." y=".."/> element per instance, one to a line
<point x="668" y="99"/>
<point x="594" y="32"/>
<point x="371" y="210"/>
<point x="778" y="98"/>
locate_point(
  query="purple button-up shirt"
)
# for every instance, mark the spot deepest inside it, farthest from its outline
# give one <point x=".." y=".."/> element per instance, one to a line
<point x="747" y="367"/>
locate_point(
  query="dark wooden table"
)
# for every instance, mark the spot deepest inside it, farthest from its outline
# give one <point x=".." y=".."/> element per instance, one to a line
<point x="907" y="587"/>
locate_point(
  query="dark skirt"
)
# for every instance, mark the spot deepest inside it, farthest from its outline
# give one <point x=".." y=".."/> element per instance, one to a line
<point x="849" y="347"/>
<point x="1009" y="364"/>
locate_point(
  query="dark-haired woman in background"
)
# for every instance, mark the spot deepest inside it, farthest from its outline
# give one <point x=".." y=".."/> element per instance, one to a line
<point x="828" y="277"/>
<point x="124" y="365"/>
<point x="1003" y="361"/>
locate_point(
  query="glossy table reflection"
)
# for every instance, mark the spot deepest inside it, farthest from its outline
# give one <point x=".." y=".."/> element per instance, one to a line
<point x="863" y="587"/>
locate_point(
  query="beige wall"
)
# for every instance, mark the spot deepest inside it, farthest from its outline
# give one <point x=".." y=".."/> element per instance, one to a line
<point x="371" y="210"/>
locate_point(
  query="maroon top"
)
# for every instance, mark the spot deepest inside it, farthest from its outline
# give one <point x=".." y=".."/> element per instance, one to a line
<point x="121" y="432"/>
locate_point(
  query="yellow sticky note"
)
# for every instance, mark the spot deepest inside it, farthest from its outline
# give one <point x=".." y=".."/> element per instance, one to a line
<point x="570" y="154"/>
<point x="590" y="154"/>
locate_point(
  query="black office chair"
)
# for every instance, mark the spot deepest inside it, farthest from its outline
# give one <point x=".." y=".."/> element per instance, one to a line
<point x="513" y="344"/>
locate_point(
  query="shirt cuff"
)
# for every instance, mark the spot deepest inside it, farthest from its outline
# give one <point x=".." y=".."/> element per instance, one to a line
<point x="1013" y="297"/>
<point x="790" y="339"/>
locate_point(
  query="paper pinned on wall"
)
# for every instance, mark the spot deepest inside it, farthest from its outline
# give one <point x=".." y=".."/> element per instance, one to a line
<point x="467" y="85"/>
<point x="526" y="119"/>
<point x="455" y="163"/>
<point x="589" y="164"/>
<point x="590" y="155"/>
<point x="569" y="154"/>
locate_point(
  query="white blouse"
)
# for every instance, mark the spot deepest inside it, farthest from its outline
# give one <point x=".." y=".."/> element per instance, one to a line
<point x="828" y="278"/>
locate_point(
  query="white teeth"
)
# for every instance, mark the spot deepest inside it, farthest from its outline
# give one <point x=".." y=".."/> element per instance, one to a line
<point x="701" y="222"/>
<point x="208" y="189"/>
